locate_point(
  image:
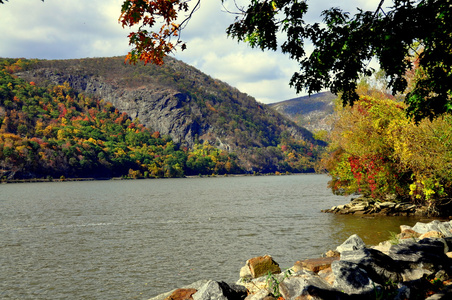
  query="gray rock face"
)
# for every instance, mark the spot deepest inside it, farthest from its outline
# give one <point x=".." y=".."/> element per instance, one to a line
<point x="163" y="110"/>
<point x="214" y="290"/>
<point x="210" y="291"/>
<point x="354" y="242"/>
<point x="443" y="227"/>
<point x="296" y="286"/>
<point x="380" y="267"/>
<point x="352" y="279"/>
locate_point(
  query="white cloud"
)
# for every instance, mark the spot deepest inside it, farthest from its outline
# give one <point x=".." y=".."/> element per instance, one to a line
<point x="57" y="29"/>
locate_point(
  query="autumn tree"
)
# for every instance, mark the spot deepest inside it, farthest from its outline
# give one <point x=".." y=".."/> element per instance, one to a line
<point x="344" y="44"/>
<point x="377" y="151"/>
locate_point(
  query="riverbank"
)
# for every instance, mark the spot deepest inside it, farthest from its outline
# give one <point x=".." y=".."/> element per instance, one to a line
<point x="371" y="207"/>
<point x="414" y="264"/>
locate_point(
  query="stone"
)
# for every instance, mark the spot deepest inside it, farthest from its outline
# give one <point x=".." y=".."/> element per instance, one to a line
<point x="408" y="234"/>
<point x="314" y="264"/>
<point x="443" y="227"/>
<point x="351" y="279"/>
<point x="415" y="273"/>
<point x="217" y="290"/>
<point x="332" y="253"/>
<point x="253" y="285"/>
<point x="432" y="234"/>
<point x="259" y="295"/>
<point x="421" y="258"/>
<point x="245" y="272"/>
<point x="387" y="204"/>
<point x="357" y="208"/>
<point x="262" y="265"/>
<point x="195" y="285"/>
<point x="327" y="275"/>
<point x="354" y="242"/>
<point x="426" y="250"/>
<point x="379" y="267"/>
<point x="181" y="294"/>
<point x="295" y="286"/>
<point x="383" y="247"/>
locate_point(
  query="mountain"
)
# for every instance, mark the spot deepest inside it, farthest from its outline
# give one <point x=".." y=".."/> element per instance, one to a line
<point x="174" y="99"/>
<point x="205" y="118"/>
<point x="312" y="112"/>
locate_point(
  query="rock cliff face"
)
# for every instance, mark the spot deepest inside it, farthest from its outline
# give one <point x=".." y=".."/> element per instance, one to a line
<point x="162" y="109"/>
<point x="175" y="99"/>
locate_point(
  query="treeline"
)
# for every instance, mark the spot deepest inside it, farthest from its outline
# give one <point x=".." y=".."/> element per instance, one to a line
<point x="377" y="151"/>
<point x="54" y="131"/>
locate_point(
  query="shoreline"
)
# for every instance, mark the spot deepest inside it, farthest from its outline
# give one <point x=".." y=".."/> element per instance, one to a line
<point x="414" y="264"/>
<point x="5" y="181"/>
<point x="364" y="206"/>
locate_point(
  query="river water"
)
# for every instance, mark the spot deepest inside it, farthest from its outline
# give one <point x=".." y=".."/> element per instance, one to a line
<point x="137" y="239"/>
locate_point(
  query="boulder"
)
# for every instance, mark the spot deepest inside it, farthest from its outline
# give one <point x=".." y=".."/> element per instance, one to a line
<point x="421" y="258"/>
<point x="383" y="247"/>
<point x="218" y="290"/>
<point x="332" y="253"/>
<point x="295" y="286"/>
<point x="432" y="234"/>
<point x="352" y="279"/>
<point x="314" y="264"/>
<point x="253" y="285"/>
<point x="327" y="275"/>
<point x="260" y="295"/>
<point x="408" y="234"/>
<point x="443" y="227"/>
<point x="379" y="267"/>
<point x="262" y="265"/>
<point x="354" y="242"/>
<point x="181" y="294"/>
<point x="195" y="285"/>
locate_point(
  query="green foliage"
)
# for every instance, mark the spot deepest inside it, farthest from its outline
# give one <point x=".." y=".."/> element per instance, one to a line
<point x="273" y="282"/>
<point x="385" y="34"/>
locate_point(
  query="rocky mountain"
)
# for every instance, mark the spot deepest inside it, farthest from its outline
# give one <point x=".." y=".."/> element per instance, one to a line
<point x="312" y="112"/>
<point x="188" y="106"/>
<point x="174" y="99"/>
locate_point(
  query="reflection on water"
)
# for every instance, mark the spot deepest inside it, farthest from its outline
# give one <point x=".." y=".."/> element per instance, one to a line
<point x="372" y="230"/>
<point x="137" y="239"/>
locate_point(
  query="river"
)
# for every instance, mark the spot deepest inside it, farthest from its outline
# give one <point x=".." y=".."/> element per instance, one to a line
<point x="122" y="239"/>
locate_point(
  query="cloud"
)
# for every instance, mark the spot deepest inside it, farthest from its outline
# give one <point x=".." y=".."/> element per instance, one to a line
<point x="57" y="29"/>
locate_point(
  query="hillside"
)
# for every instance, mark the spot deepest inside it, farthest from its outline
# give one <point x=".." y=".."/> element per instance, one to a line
<point x="312" y="112"/>
<point x="174" y="99"/>
<point x="207" y="125"/>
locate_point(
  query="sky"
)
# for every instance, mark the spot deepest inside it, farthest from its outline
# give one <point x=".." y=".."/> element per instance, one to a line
<point x="64" y="29"/>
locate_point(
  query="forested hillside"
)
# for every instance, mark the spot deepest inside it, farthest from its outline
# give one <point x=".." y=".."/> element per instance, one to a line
<point x="49" y="128"/>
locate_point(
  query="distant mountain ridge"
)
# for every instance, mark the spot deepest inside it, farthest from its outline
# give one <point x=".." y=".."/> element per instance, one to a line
<point x="312" y="112"/>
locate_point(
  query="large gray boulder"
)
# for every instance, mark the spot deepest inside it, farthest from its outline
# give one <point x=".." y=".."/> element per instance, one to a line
<point x="421" y="258"/>
<point x="354" y="242"/>
<point x="352" y="279"/>
<point x="379" y="267"/>
<point x="218" y="290"/>
<point x="443" y="227"/>
<point x="295" y="286"/>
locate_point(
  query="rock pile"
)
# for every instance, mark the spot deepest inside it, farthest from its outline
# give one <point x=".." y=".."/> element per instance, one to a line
<point x="369" y="206"/>
<point x="415" y="264"/>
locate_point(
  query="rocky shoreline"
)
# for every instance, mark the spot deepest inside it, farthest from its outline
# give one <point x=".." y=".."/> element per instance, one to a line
<point x="414" y="264"/>
<point x="370" y="206"/>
